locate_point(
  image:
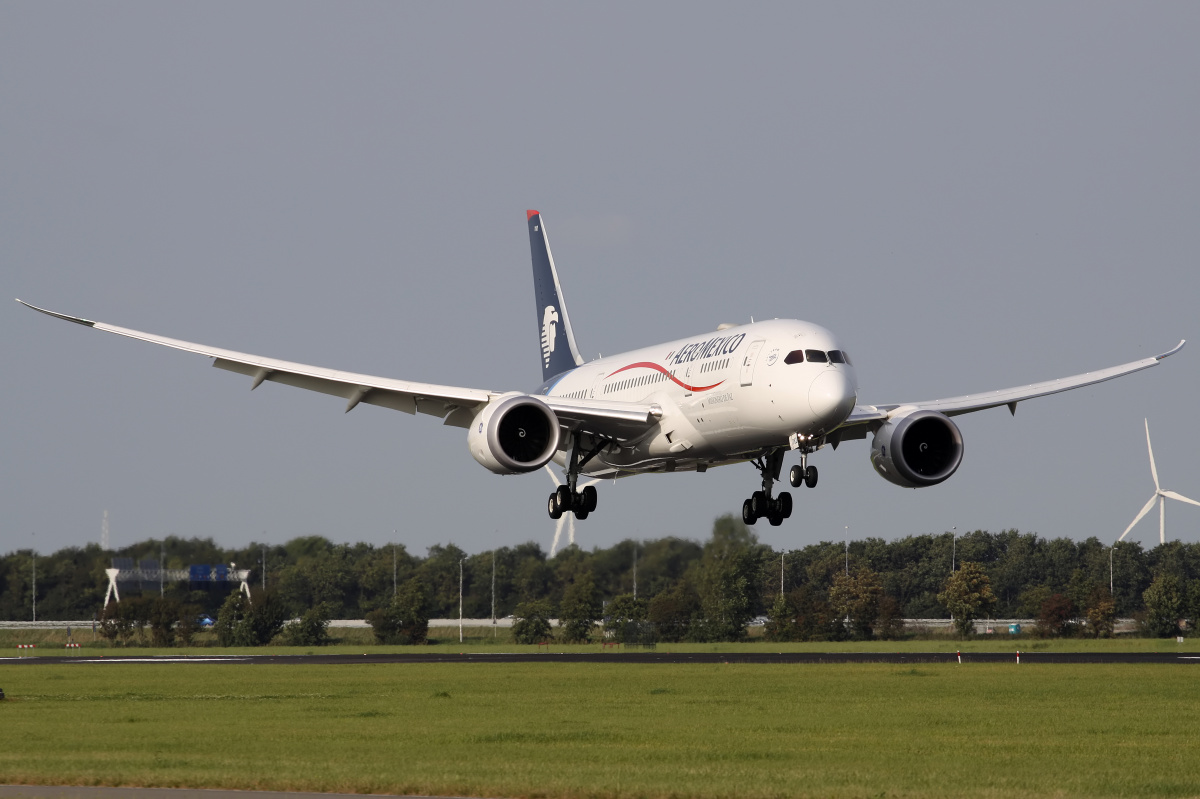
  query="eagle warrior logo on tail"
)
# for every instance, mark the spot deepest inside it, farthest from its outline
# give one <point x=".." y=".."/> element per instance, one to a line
<point x="549" y="330"/>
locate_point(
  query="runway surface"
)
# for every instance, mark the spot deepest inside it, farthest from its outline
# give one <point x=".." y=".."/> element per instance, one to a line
<point x="656" y="657"/>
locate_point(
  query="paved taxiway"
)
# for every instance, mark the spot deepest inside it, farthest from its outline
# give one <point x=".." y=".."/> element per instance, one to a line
<point x="640" y="657"/>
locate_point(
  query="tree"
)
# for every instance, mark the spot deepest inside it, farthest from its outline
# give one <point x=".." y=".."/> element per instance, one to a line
<point x="1101" y="612"/>
<point x="781" y="621"/>
<point x="1055" y="616"/>
<point x="1164" y="605"/>
<point x="532" y="622"/>
<point x="625" y="619"/>
<point x="243" y="621"/>
<point x="673" y="611"/>
<point x="580" y="610"/>
<point x="967" y="594"/>
<point x="404" y="620"/>
<point x="164" y="614"/>
<point x="855" y="598"/>
<point x="311" y="629"/>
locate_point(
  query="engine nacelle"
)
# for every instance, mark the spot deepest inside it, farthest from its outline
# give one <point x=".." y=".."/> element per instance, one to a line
<point x="514" y="433"/>
<point x="917" y="449"/>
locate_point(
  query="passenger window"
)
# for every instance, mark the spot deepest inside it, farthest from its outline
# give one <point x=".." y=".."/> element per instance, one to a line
<point x="795" y="356"/>
<point x="835" y="356"/>
<point x="816" y="356"/>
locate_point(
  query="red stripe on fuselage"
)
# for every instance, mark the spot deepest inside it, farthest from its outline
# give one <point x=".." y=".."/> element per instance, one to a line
<point x="671" y="377"/>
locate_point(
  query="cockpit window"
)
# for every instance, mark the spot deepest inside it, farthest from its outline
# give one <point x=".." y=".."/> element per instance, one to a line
<point x="795" y="356"/>
<point x="816" y="356"/>
<point x="836" y="356"/>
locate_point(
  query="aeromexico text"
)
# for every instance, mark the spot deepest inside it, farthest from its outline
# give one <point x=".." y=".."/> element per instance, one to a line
<point x="706" y="349"/>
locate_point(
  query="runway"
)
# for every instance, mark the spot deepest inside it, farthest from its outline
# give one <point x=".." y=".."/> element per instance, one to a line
<point x="655" y="657"/>
<point x="98" y="792"/>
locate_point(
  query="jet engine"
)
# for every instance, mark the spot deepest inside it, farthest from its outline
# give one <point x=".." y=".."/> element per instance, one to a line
<point x="917" y="449"/>
<point x="514" y="433"/>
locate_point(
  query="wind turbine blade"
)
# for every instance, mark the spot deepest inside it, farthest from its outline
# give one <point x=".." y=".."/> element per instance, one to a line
<point x="557" y="534"/>
<point x="1138" y="518"/>
<point x="1153" y="470"/>
<point x="1179" y="497"/>
<point x="1162" y="520"/>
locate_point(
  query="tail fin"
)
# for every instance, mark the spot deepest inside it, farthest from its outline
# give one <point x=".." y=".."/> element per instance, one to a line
<point x="559" y="353"/>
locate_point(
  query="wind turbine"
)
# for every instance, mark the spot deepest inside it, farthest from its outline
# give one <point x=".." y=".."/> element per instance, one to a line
<point x="1160" y="495"/>
<point x="568" y="517"/>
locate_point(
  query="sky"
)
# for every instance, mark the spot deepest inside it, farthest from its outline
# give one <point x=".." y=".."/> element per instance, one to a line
<point x="970" y="196"/>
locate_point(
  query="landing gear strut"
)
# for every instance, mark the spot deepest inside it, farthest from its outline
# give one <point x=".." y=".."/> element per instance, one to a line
<point x="761" y="504"/>
<point x="568" y="498"/>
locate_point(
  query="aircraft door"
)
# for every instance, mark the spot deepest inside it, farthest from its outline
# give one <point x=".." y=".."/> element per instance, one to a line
<point x="748" y="361"/>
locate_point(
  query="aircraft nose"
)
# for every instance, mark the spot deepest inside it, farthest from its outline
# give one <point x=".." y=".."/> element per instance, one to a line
<point x="832" y="396"/>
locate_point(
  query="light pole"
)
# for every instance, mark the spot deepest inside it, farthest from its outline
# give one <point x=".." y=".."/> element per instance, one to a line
<point x="781" y="556"/>
<point x="635" y="569"/>
<point x="493" y="593"/>
<point x="460" y="585"/>
<point x="33" y="562"/>
<point x="847" y="550"/>
<point x="1110" y="568"/>
<point x="953" y="546"/>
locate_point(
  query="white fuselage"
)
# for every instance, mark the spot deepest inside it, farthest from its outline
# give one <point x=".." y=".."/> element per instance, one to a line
<point x="725" y="396"/>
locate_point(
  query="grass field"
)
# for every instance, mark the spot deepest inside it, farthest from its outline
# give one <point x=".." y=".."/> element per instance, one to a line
<point x="609" y="730"/>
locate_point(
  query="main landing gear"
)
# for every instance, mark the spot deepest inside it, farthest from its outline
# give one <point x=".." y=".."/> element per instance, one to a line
<point x="761" y="504"/>
<point x="568" y="498"/>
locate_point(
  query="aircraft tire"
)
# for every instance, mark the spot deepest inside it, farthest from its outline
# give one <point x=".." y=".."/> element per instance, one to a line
<point x="785" y="505"/>
<point x="564" y="499"/>
<point x="760" y="505"/>
<point x="748" y="516"/>
<point x="590" y="498"/>
<point x="581" y="515"/>
<point x="775" y="519"/>
<point x="552" y="506"/>
<point x="810" y="477"/>
<point x="796" y="476"/>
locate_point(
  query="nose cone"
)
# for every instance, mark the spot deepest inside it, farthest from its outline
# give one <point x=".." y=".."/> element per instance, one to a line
<point x="832" y="397"/>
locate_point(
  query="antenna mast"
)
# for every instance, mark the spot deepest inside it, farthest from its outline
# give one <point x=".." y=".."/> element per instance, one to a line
<point x="104" y="542"/>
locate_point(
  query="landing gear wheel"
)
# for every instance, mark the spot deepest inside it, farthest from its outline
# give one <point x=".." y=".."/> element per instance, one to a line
<point x="552" y="507"/>
<point x="775" y="519"/>
<point x="563" y="498"/>
<point x="581" y="515"/>
<point x="760" y="505"/>
<point x="796" y="476"/>
<point x="589" y="497"/>
<point x="748" y="516"/>
<point x="810" y="477"/>
<point x="785" y="505"/>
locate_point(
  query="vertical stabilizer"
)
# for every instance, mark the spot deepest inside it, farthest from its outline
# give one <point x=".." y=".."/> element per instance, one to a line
<point x="559" y="353"/>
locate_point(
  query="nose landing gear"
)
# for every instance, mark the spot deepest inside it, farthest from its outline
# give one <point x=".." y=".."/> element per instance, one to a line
<point x="803" y="475"/>
<point x="761" y="505"/>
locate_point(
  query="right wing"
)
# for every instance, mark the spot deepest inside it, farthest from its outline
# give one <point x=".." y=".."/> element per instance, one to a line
<point x="866" y="417"/>
<point x="456" y="406"/>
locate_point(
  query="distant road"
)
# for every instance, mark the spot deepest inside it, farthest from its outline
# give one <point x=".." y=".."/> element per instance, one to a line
<point x="653" y="657"/>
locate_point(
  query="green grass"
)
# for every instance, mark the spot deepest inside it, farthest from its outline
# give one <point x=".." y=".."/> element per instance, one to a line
<point x="609" y="730"/>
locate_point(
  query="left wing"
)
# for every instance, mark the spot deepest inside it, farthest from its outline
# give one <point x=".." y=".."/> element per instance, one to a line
<point x="865" y="417"/>
<point x="456" y="406"/>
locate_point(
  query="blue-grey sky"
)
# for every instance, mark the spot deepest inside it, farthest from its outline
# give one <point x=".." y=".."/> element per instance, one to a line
<point x="971" y="197"/>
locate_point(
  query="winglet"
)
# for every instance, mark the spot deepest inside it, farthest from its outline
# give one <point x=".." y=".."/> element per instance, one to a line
<point x="77" y="320"/>
<point x="1171" y="351"/>
<point x="530" y="215"/>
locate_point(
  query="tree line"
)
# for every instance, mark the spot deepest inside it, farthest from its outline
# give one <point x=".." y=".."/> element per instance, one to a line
<point x="689" y="590"/>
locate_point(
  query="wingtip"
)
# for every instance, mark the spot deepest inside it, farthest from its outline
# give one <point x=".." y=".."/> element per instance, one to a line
<point x="530" y="214"/>
<point x="77" y="320"/>
<point x="1173" y="350"/>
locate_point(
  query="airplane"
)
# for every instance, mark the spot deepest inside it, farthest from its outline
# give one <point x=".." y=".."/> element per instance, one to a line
<point x="737" y="394"/>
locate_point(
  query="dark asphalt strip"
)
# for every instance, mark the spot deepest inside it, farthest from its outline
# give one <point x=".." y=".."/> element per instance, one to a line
<point x="897" y="658"/>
